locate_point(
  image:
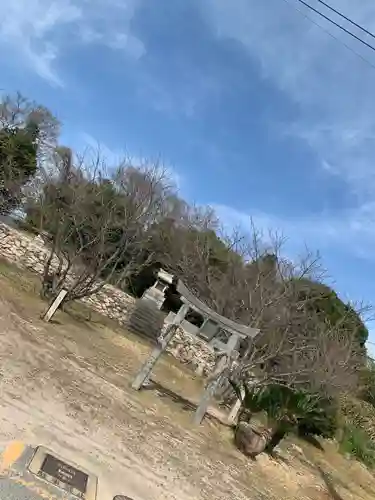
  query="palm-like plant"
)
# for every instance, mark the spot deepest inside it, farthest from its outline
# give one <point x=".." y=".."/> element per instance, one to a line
<point x="252" y="400"/>
<point x="288" y="410"/>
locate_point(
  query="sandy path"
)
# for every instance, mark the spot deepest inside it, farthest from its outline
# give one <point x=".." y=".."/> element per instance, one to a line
<point x="75" y="398"/>
<point x="67" y="387"/>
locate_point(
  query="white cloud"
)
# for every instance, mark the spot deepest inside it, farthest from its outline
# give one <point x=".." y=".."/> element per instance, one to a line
<point x="110" y="156"/>
<point x="108" y="22"/>
<point x="187" y="98"/>
<point x="332" y="87"/>
<point x="114" y="157"/>
<point x="25" y="27"/>
<point x="127" y="42"/>
<point x="33" y="30"/>
<point x="333" y="90"/>
<point x="352" y="230"/>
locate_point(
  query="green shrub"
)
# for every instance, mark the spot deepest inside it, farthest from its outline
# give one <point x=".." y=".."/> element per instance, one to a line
<point x="290" y="411"/>
<point x="320" y="421"/>
<point x="357" y="443"/>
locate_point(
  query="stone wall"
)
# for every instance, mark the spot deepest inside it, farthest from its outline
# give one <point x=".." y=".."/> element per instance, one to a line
<point x="29" y="252"/>
<point x="193" y="351"/>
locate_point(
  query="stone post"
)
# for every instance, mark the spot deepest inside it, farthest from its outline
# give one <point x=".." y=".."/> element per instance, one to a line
<point x="211" y="389"/>
<point x="144" y="373"/>
<point x="54" y="306"/>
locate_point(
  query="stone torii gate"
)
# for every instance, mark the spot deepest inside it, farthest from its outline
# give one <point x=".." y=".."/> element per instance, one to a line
<point x="212" y="326"/>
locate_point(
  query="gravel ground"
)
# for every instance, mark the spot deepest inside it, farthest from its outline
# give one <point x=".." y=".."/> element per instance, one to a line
<point x="66" y="385"/>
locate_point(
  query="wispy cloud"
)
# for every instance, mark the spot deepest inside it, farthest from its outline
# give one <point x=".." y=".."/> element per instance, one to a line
<point x="332" y="86"/>
<point x="114" y="157"/>
<point x="185" y="95"/>
<point x="108" y="22"/>
<point x="333" y="89"/>
<point x="26" y="27"/>
<point x="38" y="31"/>
<point x="352" y="229"/>
<point x="111" y="157"/>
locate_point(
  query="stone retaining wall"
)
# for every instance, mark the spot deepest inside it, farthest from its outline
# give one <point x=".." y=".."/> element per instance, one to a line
<point x="193" y="351"/>
<point x="29" y="252"/>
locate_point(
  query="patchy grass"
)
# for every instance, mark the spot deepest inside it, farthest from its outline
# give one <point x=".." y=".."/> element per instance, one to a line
<point x="357" y="444"/>
<point x="67" y="385"/>
<point x="19" y="280"/>
<point x="23" y="290"/>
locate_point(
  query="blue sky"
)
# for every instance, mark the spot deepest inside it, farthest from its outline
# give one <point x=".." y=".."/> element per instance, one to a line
<point x="257" y="110"/>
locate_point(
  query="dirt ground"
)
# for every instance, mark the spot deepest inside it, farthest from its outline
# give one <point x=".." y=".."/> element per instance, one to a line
<point x="67" y="385"/>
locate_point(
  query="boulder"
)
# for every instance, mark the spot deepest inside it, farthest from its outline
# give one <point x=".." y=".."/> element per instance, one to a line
<point x="251" y="442"/>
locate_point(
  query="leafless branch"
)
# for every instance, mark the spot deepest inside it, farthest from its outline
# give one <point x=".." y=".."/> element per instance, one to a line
<point x="98" y="221"/>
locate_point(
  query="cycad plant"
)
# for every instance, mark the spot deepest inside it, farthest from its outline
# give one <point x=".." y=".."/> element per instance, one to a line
<point x="252" y="400"/>
<point x="288" y="410"/>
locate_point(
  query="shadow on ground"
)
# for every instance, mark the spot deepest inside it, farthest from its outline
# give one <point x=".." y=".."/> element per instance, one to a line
<point x="313" y="441"/>
<point x="164" y="392"/>
<point x="329" y="484"/>
<point x="184" y="403"/>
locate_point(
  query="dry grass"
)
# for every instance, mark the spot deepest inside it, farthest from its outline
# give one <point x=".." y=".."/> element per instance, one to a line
<point x="67" y="385"/>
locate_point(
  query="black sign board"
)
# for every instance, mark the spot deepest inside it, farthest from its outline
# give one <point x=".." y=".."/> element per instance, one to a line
<point x="65" y="473"/>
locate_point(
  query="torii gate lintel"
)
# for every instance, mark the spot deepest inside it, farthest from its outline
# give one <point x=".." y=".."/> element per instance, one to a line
<point x="227" y="350"/>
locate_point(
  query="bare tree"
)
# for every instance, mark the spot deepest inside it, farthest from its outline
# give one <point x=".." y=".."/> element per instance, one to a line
<point x="97" y="224"/>
<point x="246" y="278"/>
